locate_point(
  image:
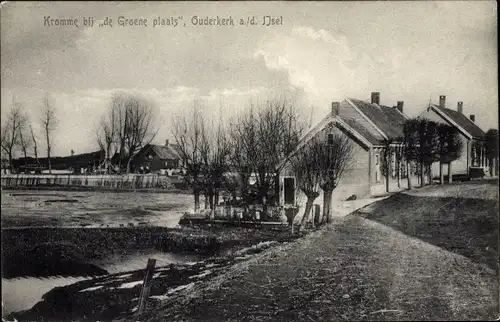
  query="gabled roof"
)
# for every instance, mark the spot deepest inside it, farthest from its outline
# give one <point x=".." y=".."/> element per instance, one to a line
<point x="463" y="122"/>
<point x="165" y="152"/>
<point x="387" y="119"/>
<point x="176" y="148"/>
<point x="362" y="131"/>
<point x="339" y="123"/>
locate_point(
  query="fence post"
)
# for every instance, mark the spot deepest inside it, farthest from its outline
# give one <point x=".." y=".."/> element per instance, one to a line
<point x="146" y="285"/>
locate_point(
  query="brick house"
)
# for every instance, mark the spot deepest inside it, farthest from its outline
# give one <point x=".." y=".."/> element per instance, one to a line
<point x="473" y="155"/>
<point x="370" y="126"/>
<point x="158" y="158"/>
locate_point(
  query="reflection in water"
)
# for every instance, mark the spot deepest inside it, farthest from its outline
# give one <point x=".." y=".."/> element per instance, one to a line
<point x="139" y="261"/>
<point x="92" y="209"/>
<point x="22" y="293"/>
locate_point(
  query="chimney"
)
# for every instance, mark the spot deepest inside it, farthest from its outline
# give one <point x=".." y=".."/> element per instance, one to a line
<point x="472" y="118"/>
<point x="335" y="108"/>
<point x="460" y="107"/>
<point x="166" y="142"/>
<point x="375" y="97"/>
<point x="400" y="106"/>
<point x="442" y="101"/>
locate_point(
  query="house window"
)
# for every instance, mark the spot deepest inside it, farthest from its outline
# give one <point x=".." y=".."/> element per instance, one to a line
<point x="330" y="139"/>
<point x="377" y="159"/>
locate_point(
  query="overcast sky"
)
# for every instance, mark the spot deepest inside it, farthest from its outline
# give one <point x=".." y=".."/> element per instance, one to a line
<point x="323" y="52"/>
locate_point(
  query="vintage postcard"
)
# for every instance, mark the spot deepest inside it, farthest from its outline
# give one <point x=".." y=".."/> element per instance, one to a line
<point x="249" y="161"/>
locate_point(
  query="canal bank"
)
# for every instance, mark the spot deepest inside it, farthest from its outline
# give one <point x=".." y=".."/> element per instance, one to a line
<point x="36" y="260"/>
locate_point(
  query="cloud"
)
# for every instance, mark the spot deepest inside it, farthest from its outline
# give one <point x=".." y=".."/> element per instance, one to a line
<point x="323" y="35"/>
<point x="314" y="60"/>
<point x="328" y="67"/>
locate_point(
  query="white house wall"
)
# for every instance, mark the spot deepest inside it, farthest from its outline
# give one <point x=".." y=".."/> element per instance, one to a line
<point x="354" y="181"/>
<point x="459" y="166"/>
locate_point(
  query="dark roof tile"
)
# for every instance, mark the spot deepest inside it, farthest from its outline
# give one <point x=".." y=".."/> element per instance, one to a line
<point x="463" y="121"/>
<point x="165" y="152"/>
<point x="362" y="131"/>
<point x="388" y="119"/>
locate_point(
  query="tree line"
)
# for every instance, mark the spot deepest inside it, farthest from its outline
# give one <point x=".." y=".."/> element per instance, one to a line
<point x="18" y="130"/>
<point x="127" y="125"/>
<point x="426" y="142"/>
<point x="244" y="156"/>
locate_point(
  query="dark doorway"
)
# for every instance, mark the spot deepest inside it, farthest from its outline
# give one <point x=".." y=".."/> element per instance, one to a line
<point x="289" y="184"/>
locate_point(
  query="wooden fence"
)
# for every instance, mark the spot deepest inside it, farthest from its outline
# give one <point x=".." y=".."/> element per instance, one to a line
<point x="128" y="181"/>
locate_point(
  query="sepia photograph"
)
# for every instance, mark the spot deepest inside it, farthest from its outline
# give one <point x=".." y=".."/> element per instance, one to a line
<point x="249" y="161"/>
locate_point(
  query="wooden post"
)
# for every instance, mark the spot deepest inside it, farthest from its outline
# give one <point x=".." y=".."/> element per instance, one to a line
<point x="146" y="285"/>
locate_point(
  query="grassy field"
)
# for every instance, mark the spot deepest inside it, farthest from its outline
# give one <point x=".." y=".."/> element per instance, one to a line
<point x="364" y="269"/>
<point x="461" y="218"/>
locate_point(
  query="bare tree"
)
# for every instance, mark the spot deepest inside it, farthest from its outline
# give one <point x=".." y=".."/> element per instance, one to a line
<point x="138" y="128"/>
<point x="25" y="141"/>
<point x="107" y="133"/>
<point x="49" y="123"/>
<point x="188" y="134"/>
<point x="10" y="131"/>
<point x="127" y="127"/>
<point x="263" y="139"/>
<point x="335" y="158"/>
<point x="34" y="143"/>
<point x="214" y="151"/>
<point x="306" y="166"/>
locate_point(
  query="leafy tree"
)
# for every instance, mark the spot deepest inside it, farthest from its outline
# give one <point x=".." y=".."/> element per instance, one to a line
<point x="386" y="161"/>
<point x="491" y="147"/>
<point x="421" y="143"/>
<point x="449" y="148"/>
<point x="428" y="147"/>
<point x="410" y="145"/>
